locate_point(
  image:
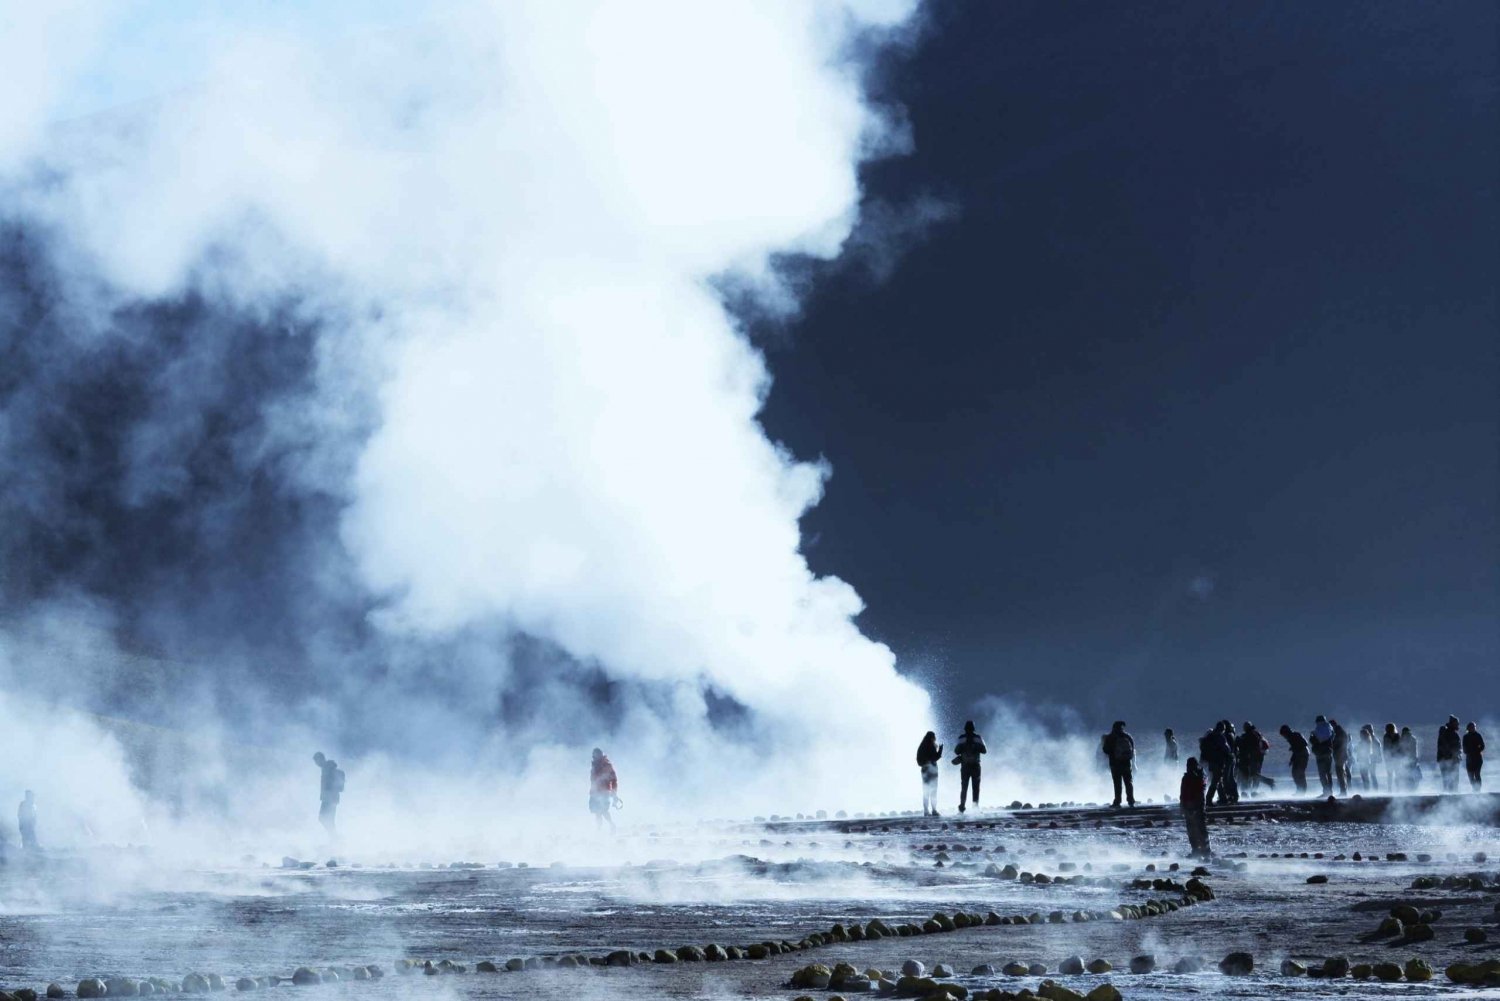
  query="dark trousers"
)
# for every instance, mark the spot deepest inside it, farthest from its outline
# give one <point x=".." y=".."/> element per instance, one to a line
<point x="968" y="776"/>
<point x="1473" y="764"/>
<point x="1196" y="821"/>
<point x="1120" y="772"/>
<point x="1448" y="768"/>
<point x="1325" y="773"/>
<point x="326" y="811"/>
<point x="28" y="837"/>
<point x="929" y="789"/>
<point x="1299" y="772"/>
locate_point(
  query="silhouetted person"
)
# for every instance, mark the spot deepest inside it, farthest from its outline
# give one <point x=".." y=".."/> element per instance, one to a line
<point x="1297" y="744"/>
<point x="1390" y="747"/>
<point x="1411" y="758"/>
<point x="966" y="755"/>
<point x="1474" y="755"/>
<point x="604" y="789"/>
<point x="1449" y="748"/>
<point x="1322" y="749"/>
<point x="1341" y="756"/>
<point x="1119" y="747"/>
<point x="1192" y="799"/>
<point x="330" y="790"/>
<point x="1368" y="754"/>
<point x="1215" y="754"/>
<point x="1170" y="756"/>
<point x="1252" y="758"/>
<point x="26" y="819"/>
<point x="929" y="754"/>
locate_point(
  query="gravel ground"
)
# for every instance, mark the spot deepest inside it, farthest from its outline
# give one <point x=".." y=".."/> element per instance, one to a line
<point x="130" y="914"/>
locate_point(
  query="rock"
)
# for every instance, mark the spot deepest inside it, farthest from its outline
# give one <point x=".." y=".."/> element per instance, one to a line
<point x="483" y="966"/>
<point x="1037" y="969"/>
<point x="1420" y="933"/>
<point x="1389" y="972"/>
<point x="1143" y="964"/>
<point x="1320" y="878"/>
<point x="216" y="982"/>
<point x="942" y="970"/>
<point x="1104" y="992"/>
<point x="246" y="984"/>
<point x="197" y="983"/>
<point x="816" y="977"/>
<point x="912" y="968"/>
<point x="1292" y="968"/>
<point x="1237" y="964"/>
<point x="1015" y="969"/>
<point x="1188" y="964"/>
<point x="93" y="987"/>
<point x="121" y="987"/>
<point x="1053" y="991"/>
<point x="302" y="976"/>
<point x="1406" y="914"/>
<point x="1418" y="970"/>
<point x="1334" y="967"/>
<point x="982" y="970"/>
<point x="690" y="954"/>
<point x="1071" y="967"/>
<point x="1098" y="966"/>
<point x="1475" y="936"/>
<point x="1391" y="926"/>
<point x="55" y="991"/>
<point x="1361" y="971"/>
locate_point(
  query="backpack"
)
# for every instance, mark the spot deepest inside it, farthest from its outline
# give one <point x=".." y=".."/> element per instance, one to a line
<point x="338" y="780"/>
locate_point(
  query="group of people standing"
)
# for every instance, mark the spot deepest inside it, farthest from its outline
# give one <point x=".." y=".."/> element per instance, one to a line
<point x="1395" y="752"/>
<point x="967" y="752"/>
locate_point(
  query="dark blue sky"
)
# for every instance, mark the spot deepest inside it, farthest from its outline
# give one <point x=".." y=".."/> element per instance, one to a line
<point x="1194" y="408"/>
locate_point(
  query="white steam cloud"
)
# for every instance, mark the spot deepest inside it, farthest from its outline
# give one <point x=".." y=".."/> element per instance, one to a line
<point x="502" y="220"/>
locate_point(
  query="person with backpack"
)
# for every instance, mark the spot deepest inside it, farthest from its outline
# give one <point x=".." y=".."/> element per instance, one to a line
<point x="1216" y="754"/>
<point x="1252" y="758"/>
<point x="1449" y="747"/>
<point x="1473" y="755"/>
<point x="1322" y="749"/>
<point x="1297" y="744"/>
<point x="967" y="751"/>
<point x="929" y="754"/>
<point x="1191" y="798"/>
<point x="330" y="791"/>
<point x="1119" y="747"/>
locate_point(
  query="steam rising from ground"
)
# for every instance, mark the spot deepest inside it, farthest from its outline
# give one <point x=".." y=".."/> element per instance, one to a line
<point x="414" y="351"/>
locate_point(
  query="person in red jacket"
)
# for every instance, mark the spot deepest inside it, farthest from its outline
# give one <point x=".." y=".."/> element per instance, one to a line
<point x="1194" y="815"/>
<point x="603" y="790"/>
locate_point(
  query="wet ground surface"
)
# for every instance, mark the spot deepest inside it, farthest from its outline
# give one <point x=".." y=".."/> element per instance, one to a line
<point x="123" y="913"/>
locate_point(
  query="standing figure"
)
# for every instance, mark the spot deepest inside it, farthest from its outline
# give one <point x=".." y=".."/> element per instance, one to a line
<point x="1170" y="756"/>
<point x="1341" y="770"/>
<point x="929" y="753"/>
<point x="1368" y="753"/>
<point x="604" y="789"/>
<point x="1390" y="748"/>
<point x="1119" y="747"/>
<point x="1322" y="749"/>
<point x="1297" y="744"/>
<point x="1411" y="758"/>
<point x="1473" y="754"/>
<point x="330" y="790"/>
<point x="968" y="749"/>
<point x="1252" y="758"/>
<point x="1215" y="754"/>
<point x="26" y="818"/>
<point x="1449" y="747"/>
<point x="1194" y="810"/>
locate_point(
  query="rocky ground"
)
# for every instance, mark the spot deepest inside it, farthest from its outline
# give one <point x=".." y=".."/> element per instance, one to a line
<point x="1040" y="894"/>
